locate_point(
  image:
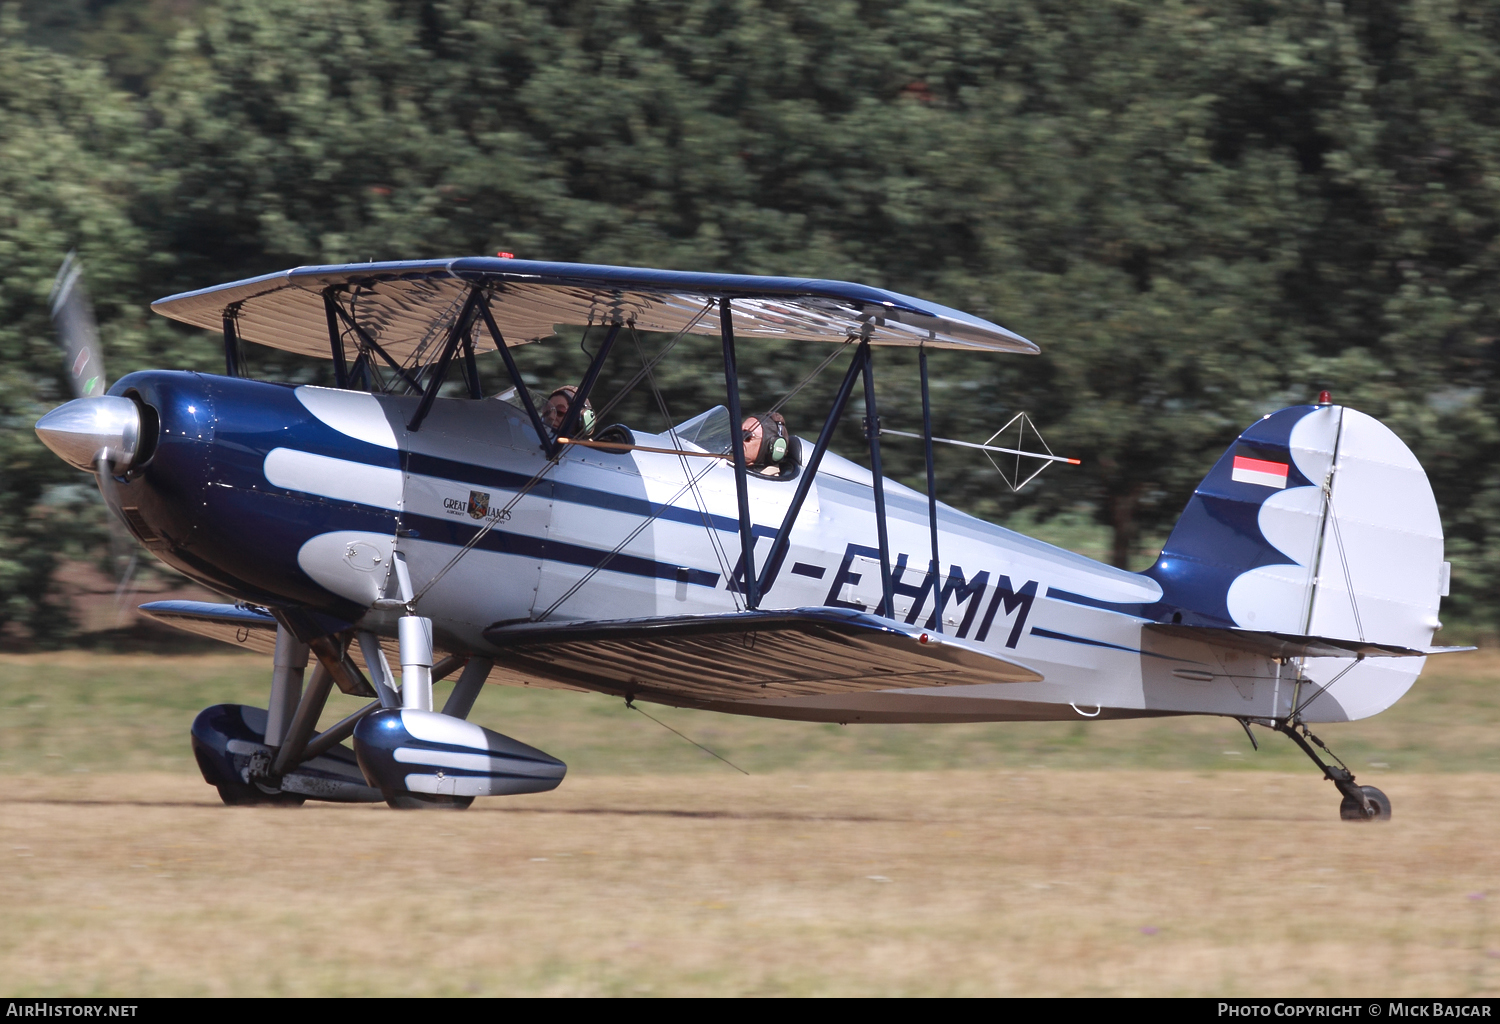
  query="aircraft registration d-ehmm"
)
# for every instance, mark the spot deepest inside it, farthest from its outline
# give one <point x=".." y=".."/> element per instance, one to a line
<point x="461" y="535"/>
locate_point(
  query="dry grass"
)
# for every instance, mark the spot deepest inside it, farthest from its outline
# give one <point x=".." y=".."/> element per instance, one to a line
<point x="76" y="711"/>
<point x="1151" y="857"/>
<point x="1002" y="882"/>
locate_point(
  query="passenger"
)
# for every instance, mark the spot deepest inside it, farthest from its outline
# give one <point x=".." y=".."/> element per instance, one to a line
<point x="768" y="444"/>
<point x="556" y="410"/>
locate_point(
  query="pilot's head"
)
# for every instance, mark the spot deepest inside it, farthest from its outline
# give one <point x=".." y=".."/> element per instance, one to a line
<point x="556" y="410"/>
<point x="766" y="441"/>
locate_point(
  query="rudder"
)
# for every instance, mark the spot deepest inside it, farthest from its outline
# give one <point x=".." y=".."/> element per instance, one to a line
<point x="1317" y="521"/>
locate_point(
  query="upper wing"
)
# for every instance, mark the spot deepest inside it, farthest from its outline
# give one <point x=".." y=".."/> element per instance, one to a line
<point x="749" y="655"/>
<point x="405" y="306"/>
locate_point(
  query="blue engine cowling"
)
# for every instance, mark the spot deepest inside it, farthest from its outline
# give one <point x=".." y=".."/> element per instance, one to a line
<point x="229" y="745"/>
<point x="408" y="753"/>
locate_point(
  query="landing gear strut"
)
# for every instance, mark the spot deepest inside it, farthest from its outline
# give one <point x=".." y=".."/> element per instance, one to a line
<point x="1361" y="803"/>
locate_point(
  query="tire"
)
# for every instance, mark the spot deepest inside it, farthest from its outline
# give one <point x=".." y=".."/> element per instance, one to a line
<point x="249" y="796"/>
<point x="1350" y="810"/>
<point x="428" y="802"/>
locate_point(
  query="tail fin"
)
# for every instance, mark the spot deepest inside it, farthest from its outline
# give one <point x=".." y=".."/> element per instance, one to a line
<point x="1317" y="521"/>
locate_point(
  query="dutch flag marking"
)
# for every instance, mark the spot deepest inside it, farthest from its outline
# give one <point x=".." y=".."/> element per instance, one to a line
<point x="1260" y="472"/>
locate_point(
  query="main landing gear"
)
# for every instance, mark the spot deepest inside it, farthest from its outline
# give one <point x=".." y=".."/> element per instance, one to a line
<point x="1361" y="803"/>
<point x="404" y="753"/>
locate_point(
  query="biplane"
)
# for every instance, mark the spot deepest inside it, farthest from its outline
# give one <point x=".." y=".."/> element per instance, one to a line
<point x="393" y="535"/>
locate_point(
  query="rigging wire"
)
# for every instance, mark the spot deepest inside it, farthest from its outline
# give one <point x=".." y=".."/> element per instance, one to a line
<point x="603" y="562"/>
<point x="552" y="461"/>
<point x="483" y="531"/>
<point x="437" y="328"/>
<point x="692" y="484"/>
<point x="661" y="403"/>
<point x="644" y="370"/>
<point x="631" y="705"/>
<point x="810" y="377"/>
<point x="1326" y="686"/>
<point x="1338" y="539"/>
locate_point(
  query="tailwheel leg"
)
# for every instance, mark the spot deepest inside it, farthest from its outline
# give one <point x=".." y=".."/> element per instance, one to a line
<point x="1360" y="803"/>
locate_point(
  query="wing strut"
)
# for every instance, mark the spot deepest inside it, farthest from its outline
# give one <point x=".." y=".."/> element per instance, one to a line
<point x="575" y="408"/>
<point x="937" y="572"/>
<point x="780" y="545"/>
<point x="369" y="344"/>
<point x="471" y="368"/>
<point x="737" y="445"/>
<point x="231" y="343"/>
<point x="522" y="391"/>
<point x="872" y="431"/>
<point x="335" y="339"/>
<point x="440" y="371"/>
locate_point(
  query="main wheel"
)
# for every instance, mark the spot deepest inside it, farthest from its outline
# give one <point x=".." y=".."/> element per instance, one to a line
<point x="428" y="802"/>
<point x="250" y="796"/>
<point x="1350" y="810"/>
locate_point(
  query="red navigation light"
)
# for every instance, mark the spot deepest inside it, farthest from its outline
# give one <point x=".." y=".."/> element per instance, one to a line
<point x="506" y="255"/>
<point x="1324" y="398"/>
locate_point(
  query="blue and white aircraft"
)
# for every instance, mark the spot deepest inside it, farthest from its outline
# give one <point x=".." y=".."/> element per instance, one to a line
<point x="377" y="522"/>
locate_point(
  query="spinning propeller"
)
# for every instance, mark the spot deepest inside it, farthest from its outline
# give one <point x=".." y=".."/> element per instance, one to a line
<point x="95" y="432"/>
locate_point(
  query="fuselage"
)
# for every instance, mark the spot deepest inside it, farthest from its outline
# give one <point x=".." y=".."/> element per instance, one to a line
<point x="274" y="494"/>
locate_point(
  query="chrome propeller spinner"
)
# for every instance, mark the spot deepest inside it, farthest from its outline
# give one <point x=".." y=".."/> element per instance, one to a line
<point x="88" y="432"/>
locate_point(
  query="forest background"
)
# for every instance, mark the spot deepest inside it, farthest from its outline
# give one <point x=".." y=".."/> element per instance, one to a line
<point x="1201" y="212"/>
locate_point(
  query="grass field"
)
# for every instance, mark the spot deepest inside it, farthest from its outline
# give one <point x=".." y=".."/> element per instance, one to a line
<point x="1156" y="857"/>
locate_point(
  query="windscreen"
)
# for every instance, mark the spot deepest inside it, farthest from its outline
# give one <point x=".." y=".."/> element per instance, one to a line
<point x="708" y="430"/>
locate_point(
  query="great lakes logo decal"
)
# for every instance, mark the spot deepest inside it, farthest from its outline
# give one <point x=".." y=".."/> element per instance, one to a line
<point x="478" y="507"/>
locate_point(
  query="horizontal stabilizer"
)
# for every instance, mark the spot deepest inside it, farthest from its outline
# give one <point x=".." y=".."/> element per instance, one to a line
<point x="250" y="628"/>
<point x="751" y="655"/>
<point x="1291" y="645"/>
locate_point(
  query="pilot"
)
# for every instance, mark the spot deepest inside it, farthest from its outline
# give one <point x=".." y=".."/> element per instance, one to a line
<point x="556" y="410"/>
<point x="769" y="446"/>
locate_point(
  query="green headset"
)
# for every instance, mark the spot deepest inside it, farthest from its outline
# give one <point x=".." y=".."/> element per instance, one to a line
<point x="586" y="421"/>
<point x="779" y="446"/>
<point x="778" y="449"/>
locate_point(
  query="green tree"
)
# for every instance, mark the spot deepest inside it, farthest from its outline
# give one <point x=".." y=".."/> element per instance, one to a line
<point x="1201" y="212"/>
<point x="67" y="141"/>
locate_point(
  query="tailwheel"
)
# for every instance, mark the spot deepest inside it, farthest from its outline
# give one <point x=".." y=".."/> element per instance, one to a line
<point x="1379" y="806"/>
<point x="1360" y="803"/>
<point x="428" y="802"/>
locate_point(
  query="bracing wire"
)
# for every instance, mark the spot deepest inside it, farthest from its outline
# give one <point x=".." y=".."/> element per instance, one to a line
<point x="809" y="378"/>
<point x="526" y="488"/>
<point x="483" y="531"/>
<point x="692" y="480"/>
<point x="603" y="562"/>
<point x="691" y="485"/>
<point x="1326" y="686"/>
<point x="664" y="725"/>
<point x="647" y="368"/>
<point x="1338" y="539"/>
<point x="661" y="404"/>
